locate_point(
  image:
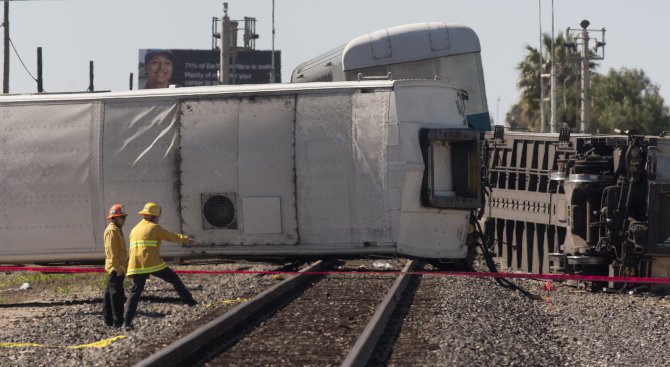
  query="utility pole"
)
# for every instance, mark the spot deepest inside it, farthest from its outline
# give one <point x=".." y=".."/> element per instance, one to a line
<point x="229" y="49"/>
<point x="91" y="88"/>
<point x="5" y="74"/>
<point x="543" y="120"/>
<point x="40" y="80"/>
<point x="272" y="76"/>
<point x="498" y="112"/>
<point x="225" y="47"/>
<point x="585" y="116"/>
<point x="554" y="128"/>
<point x="581" y="39"/>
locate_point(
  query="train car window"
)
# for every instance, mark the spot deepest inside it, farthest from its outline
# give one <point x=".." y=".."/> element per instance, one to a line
<point x="324" y="78"/>
<point x="424" y="69"/>
<point x="465" y="71"/>
<point x="451" y="177"/>
<point x="371" y="71"/>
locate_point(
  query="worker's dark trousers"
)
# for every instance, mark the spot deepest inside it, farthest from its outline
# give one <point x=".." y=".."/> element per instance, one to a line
<point x="138" y="286"/>
<point x="113" y="300"/>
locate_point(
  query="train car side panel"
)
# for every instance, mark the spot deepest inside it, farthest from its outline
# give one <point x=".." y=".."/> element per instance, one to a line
<point x="237" y="170"/>
<point x="323" y="161"/>
<point x="209" y="154"/>
<point x="369" y="182"/>
<point x="267" y="170"/>
<point x="47" y="178"/>
<point x="139" y="158"/>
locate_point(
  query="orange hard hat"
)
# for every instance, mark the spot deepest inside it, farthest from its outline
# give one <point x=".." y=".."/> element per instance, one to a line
<point x="117" y="210"/>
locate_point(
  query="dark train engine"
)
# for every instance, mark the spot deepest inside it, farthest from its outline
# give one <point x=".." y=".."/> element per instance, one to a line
<point x="581" y="204"/>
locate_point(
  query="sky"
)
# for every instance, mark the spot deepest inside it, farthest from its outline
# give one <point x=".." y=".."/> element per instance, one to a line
<point x="110" y="32"/>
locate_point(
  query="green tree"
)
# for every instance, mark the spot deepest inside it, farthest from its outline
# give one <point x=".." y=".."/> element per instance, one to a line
<point x="627" y="100"/>
<point x="526" y="112"/>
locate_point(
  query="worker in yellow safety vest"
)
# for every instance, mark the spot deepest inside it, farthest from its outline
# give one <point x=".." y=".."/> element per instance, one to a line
<point x="145" y="260"/>
<point x="116" y="259"/>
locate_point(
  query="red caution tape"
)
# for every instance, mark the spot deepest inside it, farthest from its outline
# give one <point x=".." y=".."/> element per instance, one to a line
<point x="588" y="278"/>
<point x="51" y="269"/>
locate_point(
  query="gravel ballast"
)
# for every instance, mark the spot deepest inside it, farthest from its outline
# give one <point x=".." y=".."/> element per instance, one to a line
<point x="454" y="321"/>
<point x="466" y="321"/>
<point x="58" y="323"/>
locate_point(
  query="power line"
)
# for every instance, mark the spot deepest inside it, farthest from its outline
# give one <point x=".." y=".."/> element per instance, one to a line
<point x="19" y="56"/>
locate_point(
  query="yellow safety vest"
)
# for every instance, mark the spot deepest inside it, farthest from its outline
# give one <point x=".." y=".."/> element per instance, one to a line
<point x="145" y="245"/>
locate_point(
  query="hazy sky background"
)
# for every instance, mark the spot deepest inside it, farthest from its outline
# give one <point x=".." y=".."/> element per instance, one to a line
<point x="110" y="32"/>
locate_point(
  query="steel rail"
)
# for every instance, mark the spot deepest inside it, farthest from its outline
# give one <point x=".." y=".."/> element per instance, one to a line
<point x="366" y="343"/>
<point x="187" y="346"/>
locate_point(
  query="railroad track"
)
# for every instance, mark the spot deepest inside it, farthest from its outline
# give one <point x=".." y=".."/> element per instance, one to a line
<point x="310" y="318"/>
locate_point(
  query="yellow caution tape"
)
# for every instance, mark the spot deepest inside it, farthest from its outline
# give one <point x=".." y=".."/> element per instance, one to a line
<point x="20" y="345"/>
<point x="99" y="344"/>
<point x="227" y="301"/>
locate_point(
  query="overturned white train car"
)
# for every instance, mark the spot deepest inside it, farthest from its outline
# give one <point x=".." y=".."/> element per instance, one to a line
<point x="317" y="169"/>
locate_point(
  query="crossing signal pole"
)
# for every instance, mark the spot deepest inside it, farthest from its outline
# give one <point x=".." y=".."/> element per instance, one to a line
<point x="584" y="48"/>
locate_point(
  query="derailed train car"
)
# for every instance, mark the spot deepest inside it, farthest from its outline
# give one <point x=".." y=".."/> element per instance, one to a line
<point x="318" y="169"/>
<point x="431" y="50"/>
<point x="579" y="204"/>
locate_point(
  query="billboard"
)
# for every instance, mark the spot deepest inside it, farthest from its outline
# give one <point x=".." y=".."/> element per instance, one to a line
<point x="159" y="68"/>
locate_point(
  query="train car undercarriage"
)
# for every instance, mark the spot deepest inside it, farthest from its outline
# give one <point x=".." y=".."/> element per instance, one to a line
<point x="581" y="204"/>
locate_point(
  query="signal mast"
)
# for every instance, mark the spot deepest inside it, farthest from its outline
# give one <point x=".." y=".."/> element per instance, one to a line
<point x="584" y="48"/>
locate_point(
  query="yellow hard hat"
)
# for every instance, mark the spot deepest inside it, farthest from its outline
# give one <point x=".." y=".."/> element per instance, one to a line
<point x="151" y="209"/>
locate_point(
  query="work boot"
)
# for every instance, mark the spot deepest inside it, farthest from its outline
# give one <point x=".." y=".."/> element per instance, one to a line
<point x="128" y="327"/>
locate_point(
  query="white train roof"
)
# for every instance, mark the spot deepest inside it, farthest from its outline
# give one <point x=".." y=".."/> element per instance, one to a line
<point x="409" y="42"/>
<point x="403" y="43"/>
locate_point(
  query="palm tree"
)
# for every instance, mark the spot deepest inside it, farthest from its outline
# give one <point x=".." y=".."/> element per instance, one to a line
<point x="526" y="113"/>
